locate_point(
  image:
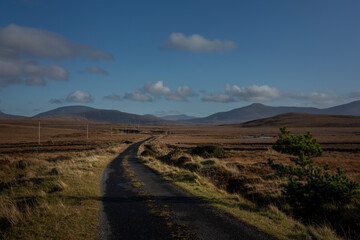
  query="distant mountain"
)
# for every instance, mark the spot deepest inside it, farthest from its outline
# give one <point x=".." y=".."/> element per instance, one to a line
<point x="259" y="111"/>
<point x="180" y="117"/>
<point x="305" y="120"/>
<point x="352" y="108"/>
<point x="9" y="116"/>
<point x="122" y="117"/>
<point x="66" y="110"/>
<point x="248" y="113"/>
<point x="82" y="113"/>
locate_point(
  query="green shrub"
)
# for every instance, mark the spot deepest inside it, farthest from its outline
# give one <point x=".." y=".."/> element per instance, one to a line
<point x="309" y="188"/>
<point x="208" y="151"/>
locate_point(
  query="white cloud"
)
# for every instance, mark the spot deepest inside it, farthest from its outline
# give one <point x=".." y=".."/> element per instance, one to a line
<point x="220" y="98"/>
<point x="137" y="96"/>
<point x="158" y="90"/>
<point x="255" y="93"/>
<point x="316" y="98"/>
<point x="252" y="93"/>
<point x="79" y="97"/>
<point x="113" y="97"/>
<point x="180" y="94"/>
<point x="197" y="43"/>
<point x="34" y="42"/>
<point x="95" y="70"/>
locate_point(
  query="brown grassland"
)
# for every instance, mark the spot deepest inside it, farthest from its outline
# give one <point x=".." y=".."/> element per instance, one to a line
<point x="52" y="190"/>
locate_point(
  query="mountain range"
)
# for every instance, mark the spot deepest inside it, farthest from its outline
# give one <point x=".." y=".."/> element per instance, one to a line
<point x="239" y="115"/>
<point x="304" y="120"/>
<point x="84" y="113"/>
<point x="258" y="111"/>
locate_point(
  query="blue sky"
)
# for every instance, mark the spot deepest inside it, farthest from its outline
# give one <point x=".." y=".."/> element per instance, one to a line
<point x="172" y="57"/>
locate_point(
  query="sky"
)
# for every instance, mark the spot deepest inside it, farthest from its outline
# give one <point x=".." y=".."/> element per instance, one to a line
<point x="179" y="56"/>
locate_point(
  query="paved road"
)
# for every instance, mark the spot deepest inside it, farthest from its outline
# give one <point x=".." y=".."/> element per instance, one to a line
<point x="139" y="204"/>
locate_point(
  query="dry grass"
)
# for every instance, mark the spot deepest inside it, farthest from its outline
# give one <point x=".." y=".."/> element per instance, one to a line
<point x="52" y="190"/>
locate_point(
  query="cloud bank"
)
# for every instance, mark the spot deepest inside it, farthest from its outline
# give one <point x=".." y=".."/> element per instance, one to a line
<point x="137" y="96"/>
<point x="197" y="43"/>
<point x="17" y="43"/>
<point x="252" y="93"/>
<point x="39" y="43"/>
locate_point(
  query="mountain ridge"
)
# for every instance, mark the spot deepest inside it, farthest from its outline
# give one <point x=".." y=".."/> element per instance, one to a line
<point x="248" y="113"/>
<point x="84" y="113"/>
<point x="259" y="111"/>
<point x="304" y="120"/>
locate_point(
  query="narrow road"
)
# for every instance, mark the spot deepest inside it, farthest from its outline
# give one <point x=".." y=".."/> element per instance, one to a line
<point x="139" y="204"/>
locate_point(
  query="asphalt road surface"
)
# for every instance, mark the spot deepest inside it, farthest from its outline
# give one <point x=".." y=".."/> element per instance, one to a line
<point x="138" y="204"/>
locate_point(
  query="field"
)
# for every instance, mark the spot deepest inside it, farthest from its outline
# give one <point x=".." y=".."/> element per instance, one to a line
<point x="253" y="146"/>
<point x="52" y="189"/>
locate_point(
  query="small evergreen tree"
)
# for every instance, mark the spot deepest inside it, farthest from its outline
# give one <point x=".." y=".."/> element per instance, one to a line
<point x="310" y="188"/>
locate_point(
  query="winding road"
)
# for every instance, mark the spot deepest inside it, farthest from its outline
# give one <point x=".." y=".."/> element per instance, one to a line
<point x="138" y="204"/>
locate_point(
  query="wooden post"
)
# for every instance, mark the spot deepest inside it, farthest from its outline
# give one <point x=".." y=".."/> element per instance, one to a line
<point x="39" y="132"/>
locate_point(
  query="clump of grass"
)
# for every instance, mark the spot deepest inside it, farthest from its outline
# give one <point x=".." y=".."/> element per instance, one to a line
<point x="58" y="186"/>
<point x="58" y="158"/>
<point x="9" y="214"/>
<point x="208" y="151"/>
<point x="54" y="171"/>
<point x="28" y="163"/>
<point x="183" y="160"/>
<point x="192" y="166"/>
<point x="148" y="151"/>
<point x="208" y="162"/>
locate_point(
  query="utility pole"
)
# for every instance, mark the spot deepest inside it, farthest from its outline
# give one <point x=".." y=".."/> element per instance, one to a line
<point x="111" y="131"/>
<point x="87" y="131"/>
<point x="39" y="132"/>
